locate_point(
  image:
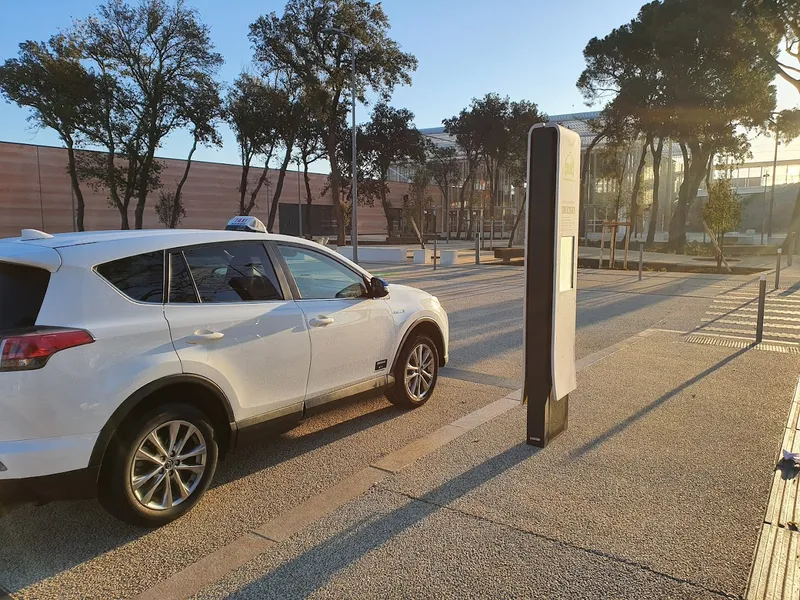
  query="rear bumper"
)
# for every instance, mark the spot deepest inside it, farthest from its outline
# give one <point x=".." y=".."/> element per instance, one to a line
<point x="72" y="485"/>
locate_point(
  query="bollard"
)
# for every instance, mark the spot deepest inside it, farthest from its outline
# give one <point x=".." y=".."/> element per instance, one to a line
<point x="791" y="248"/>
<point x="477" y="248"/>
<point x="434" y="252"/>
<point x="778" y="269"/>
<point x="641" y="259"/>
<point x="762" y="295"/>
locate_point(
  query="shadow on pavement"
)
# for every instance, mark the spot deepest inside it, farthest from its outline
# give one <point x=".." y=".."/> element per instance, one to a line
<point x="63" y="535"/>
<point x="258" y="455"/>
<point x="312" y="569"/>
<point x="645" y="410"/>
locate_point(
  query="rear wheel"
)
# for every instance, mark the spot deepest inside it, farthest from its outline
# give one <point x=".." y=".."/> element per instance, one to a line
<point x="416" y="373"/>
<point x="158" y="465"/>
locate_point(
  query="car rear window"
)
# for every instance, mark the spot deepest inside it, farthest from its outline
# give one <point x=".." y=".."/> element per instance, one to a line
<point x="139" y="277"/>
<point x="22" y="291"/>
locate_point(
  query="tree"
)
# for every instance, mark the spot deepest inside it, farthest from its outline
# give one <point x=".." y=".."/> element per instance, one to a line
<point x="787" y="127"/>
<point x="418" y="200"/>
<point x="722" y="213"/>
<point x="656" y="150"/>
<point x="369" y="189"/>
<point x="203" y="111"/>
<point x="523" y="115"/>
<point x="501" y="129"/>
<point x="465" y="128"/>
<point x="49" y="79"/>
<point x="291" y="113"/>
<point x="299" y="43"/>
<point x="686" y="70"/>
<point x="613" y="166"/>
<point x="251" y="110"/>
<point x="170" y="209"/>
<point x="445" y="170"/>
<point x="151" y="59"/>
<point x="773" y="21"/>
<point x="310" y="149"/>
<point x="390" y="138"/>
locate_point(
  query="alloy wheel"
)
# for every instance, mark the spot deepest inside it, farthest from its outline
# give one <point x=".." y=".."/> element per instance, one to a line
<point x="168" y="465"/>
<point x="420" y="370"/>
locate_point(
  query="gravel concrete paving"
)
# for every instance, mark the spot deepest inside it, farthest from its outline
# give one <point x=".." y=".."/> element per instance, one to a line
<point x="75" y="550"/>
<point x="657" y="490"/>
<point x="390" y="546"/>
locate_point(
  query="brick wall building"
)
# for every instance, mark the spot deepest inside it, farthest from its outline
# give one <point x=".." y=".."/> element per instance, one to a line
<point x="35" y="192"/>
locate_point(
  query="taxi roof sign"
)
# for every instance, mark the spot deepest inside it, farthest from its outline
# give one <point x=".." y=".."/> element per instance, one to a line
<point x="246" y="224"/>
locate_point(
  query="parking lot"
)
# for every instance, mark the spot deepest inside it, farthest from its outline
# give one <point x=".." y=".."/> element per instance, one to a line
<point x="77" y="550"/>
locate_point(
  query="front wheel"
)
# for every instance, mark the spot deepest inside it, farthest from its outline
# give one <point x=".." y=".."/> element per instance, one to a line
<point x="158" y="466"/>
<point x="416" y="373"/>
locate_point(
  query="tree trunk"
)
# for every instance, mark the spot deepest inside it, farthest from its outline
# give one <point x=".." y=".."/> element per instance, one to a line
<point x="259" y="184"/>
<point x="637" y="184"/>
<point x="386" y="207"/>
<point x="113" y="190"/>
<point x="520" y="212"/>
<point x="273" y="209"/>
<point x="309" y="199"/>
<point x="243" y="185"/>
<point x="76" y="187"/>
<point x="794" y="225"/>
<point x="462" y="199"/>
<point x="694" y="170"/>
<point x="651" y="228"/>
<point x="177" y="204"/>
<point x="335" y="184"/>
<point x="179" y="189"/>
<point x="141" y="195"/>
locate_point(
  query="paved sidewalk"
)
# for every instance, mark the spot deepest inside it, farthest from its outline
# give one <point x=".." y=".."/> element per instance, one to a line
<point x="659" y="260"/>
<point x="657" y="490"/>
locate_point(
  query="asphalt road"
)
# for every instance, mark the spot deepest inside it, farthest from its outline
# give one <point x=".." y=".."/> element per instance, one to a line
<point x="76" y="550"/>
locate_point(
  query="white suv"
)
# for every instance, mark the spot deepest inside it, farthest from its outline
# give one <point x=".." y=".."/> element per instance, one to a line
<point x="131" y="361"/>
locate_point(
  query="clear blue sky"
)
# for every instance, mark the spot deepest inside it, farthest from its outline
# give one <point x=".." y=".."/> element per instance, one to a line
<point x="466" y="48"/>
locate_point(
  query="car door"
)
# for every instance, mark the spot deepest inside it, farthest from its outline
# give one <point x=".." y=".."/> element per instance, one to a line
<point x="232" y="322"/>
<point x="351" y="333"/>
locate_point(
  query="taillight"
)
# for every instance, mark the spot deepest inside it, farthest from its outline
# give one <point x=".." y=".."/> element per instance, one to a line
<point x="27" y="351"/>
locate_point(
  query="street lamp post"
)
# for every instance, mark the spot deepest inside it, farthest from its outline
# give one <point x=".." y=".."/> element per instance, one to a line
<point x="764" y="208"/>
<point x="354" y="186"/>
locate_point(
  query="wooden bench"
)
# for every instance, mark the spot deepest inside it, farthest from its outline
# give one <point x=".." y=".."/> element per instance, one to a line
<point x="507" y="254"/>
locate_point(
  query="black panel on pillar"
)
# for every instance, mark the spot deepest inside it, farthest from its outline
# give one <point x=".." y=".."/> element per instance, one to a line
<point x="547" y="417"/>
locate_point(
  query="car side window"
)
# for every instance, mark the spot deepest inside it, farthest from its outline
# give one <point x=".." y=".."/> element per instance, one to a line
<point x="320" y="277"/>
<point x="181" y="287"/>
<point x="233" y="272"/>
<point x="140" y="277"/>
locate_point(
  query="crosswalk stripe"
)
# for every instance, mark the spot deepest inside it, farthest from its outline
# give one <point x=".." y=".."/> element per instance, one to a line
<point x="747" y="333"/>
<point x="749" y="298"/>
<point x="772" y="311"/>
<point x="751" y="323"/>
<point x="770" y="316"/>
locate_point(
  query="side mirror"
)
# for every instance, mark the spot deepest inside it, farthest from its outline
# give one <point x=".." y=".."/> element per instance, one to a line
<point x="378" y="287"/>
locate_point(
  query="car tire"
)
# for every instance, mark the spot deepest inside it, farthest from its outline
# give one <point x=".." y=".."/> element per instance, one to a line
<point x="409" y="389"/>
<point x="158" y="465"/>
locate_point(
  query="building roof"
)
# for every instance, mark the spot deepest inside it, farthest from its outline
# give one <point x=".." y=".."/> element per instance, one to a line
<point x="578" y="122"/>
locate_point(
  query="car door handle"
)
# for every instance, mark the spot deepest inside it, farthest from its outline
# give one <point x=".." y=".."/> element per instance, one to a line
<point x="204" y="336"/>
<point x="320" y="321"/>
